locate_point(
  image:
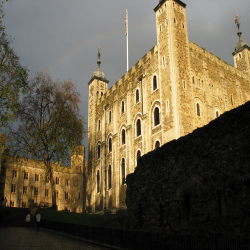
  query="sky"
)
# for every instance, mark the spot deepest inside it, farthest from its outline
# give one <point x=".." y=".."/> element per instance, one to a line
<point x="63" y="36"/>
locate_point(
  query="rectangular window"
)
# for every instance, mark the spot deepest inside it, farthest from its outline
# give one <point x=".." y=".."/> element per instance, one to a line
<point x="66" y="182"/>
<point x="13" y="188"/>
<point x="66" y="195"/>
<point x="14" y="173"/>
<point x="167" y="106"/>
<point x="25" y="190"/>
<point x="36" y="191"/>
<point x="24" y="205"/>
<point x="36" y="177"/>
<point x="57" y="180"/>
<point x="12" y="203"/>
<point x="46" y="192"/>
<point x="163" y="62"/>
<point x="47" y="179"/>
<point x="26" y="175"/>
<point x="57" y="194"/>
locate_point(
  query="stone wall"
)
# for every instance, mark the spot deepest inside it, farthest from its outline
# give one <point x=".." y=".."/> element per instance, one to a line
<point x="200" y="182"/>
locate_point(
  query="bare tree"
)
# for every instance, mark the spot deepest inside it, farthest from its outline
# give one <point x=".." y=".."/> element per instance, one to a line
<point x="49" y="125"/>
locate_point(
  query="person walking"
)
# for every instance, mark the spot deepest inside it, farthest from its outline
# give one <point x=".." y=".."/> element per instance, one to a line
<point x="5" y="202"/>
<point x="38" y="219"/>
<point x="27" y="219"/>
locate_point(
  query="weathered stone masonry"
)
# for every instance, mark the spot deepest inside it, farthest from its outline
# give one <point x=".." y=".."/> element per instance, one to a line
<point x="192" y="88"/>
<point x="200" y="182"/>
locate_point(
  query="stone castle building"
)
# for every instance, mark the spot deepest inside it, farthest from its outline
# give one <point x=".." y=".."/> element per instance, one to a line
<point x="24" y="182"/>
<point x="175" y="88"/>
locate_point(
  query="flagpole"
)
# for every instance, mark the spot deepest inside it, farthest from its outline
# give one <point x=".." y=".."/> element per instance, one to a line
<point x="127" y="37"/>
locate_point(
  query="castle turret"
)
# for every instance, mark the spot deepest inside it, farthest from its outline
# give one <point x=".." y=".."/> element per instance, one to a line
<point x="241" y="52"/>
<point x="173" y="60"/>
<point x="98" y="86"/>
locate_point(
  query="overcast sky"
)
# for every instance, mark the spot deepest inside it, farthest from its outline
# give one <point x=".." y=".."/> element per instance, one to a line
<point x="63" y="36"/>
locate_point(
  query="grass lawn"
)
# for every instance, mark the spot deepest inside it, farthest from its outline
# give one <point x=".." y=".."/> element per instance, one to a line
<point x="70" y="217"/>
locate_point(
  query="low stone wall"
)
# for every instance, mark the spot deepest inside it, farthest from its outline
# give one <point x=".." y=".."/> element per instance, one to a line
<point x="142" y="240"/>
<point x="200" y="183"/>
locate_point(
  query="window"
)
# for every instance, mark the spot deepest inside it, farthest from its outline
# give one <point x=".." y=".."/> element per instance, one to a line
<point x="217" y="114"/>
<point x="66" y="195"/>
<point x="109" y="177"/>
<point x="110" y="117"/>
<point x="98" y="151"/>
<point x="193" y="79"/>
<point x="198" y="110"/>
<point x="122" y="108"/>
<point x="12" y="203"/>
<point x="239" y="55"/>
<point x="98" y="181"/>
<point x="163" y="62"/>
<point x="57" y="194"/>
<point x="46" y="192"/>
<point x="174" y="20"/>
<point x="157" y="144"/>
<point x="123" y="171"/>
<point x="25" y="190"/>
<point x="13" y="188"/>
<point x="167" y="106"/>
<point x="232" y="100"/>
<point x="137" y="94"/>
<point x="110" y="144"/>
<point x="36" y="191"/>
<point x="57" y="180"/>
<point x="99" y="125"/>
<point x="156" y="116"/>
<point x="160" y="27"/>
<point x="138" y="127"/>
<point x="36" y="177"/>
<point x="47" y="179"/>
<point x="24" y="204"/>
<point x="26" y="175"/>
<point x="138" y="155"/>
<point x="14" y="173"/>
<point x="184" y="84"/>
<point x="67" y="182"/>
<point x="123" y="137"/>
<point x="154" y="82"/>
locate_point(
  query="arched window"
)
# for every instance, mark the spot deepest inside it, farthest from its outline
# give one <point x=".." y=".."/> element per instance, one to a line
<point x="98" y="181"/>
<point x="123" y="137"/>
<point x="109" y="177"/>
<point x="122" y="108"/>
<point x="198" y="109"/>
<point x="99" y="125"/>
<point x="98" y="151"/>
<point x="155" y="83"/>
<point x="138" y="154"/>
<point x="217" y="114"/>
<point x="123" y="171"/>
<point x="110" y="144"/>
<point x="157" y="144"/>
<point x="110" y="116"/>
<point x="138" y="127"/>
<point x="156" y="116"/>
<point x="137" y="96"/>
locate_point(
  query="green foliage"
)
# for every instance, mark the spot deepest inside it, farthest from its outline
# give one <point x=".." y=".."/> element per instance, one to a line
<point x="13" y="77"/>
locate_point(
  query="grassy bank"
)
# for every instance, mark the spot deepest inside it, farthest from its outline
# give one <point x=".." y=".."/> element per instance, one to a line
<point x="82" y="219"/>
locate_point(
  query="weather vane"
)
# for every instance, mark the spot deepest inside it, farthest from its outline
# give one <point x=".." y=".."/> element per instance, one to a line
<point x="99" y="54"/>
<point x="237" y="22"/>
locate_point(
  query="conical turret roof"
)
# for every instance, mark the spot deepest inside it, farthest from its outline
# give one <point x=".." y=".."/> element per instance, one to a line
<point x="98" y="74"/>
